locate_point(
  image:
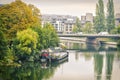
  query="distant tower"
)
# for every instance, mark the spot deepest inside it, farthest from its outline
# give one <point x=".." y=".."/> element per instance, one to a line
<point x="83" y="20"/>
<point x="89" y="17"/>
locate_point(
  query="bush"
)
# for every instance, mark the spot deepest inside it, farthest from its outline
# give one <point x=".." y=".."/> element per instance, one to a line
<point x="118" y="43"/>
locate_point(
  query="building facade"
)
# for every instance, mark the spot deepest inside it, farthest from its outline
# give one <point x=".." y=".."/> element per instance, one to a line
<point x="83" y="20"/>
<point x="62" y="23"/>
<point x="87" y="18"/>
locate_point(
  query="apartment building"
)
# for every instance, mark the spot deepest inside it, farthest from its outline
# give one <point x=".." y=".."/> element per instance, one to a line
<point x="62" y="23"/>
<point x="87" y="18"/>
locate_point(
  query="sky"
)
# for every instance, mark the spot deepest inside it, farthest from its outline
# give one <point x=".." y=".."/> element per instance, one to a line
<point x="67" y="7"/>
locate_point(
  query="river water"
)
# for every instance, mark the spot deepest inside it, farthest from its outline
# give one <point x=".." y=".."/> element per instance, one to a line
<point x="85" y="62"/>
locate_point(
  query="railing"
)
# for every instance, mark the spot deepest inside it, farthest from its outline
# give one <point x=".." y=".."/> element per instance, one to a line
<point x="90" y="35"/>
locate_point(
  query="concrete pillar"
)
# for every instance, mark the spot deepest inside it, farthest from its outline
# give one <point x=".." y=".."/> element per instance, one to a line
<point x="92" y="40"/>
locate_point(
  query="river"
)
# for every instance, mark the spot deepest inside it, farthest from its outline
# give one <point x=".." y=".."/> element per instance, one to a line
<point x="85" y="62"/>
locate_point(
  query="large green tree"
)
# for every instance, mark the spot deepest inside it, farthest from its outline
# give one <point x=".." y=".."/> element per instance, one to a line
<point x="88" y="28"/>
<point x="3" y="46"/>
<point x="75" y="29"/>
<point x="110" y="16"/>
<point x="116" y="30"/>
<point x="25" y="43"/>
<point x="35" y="11"/>
<point x="99" y="22"/>
<point x="47" y="36"/>
<point x="17" y="16"/>
<point x="78" y="25"/>
<point x="5" y="53"/>
<point x="50" y="36"/>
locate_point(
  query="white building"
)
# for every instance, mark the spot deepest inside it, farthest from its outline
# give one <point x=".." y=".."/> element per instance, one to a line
<point x="62" y="23"/>
<point x="59" y="26"/>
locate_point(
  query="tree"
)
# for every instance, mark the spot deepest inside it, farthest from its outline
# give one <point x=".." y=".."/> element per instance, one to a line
<point x="50" y="36"/>
<point x="78" y="25"/>
<point x="47" y="36"/>
<point x="17" y="16"/>
<point x="3" y="46"/>
<point x="116" y="30"/>
<point x="5" y="53"/>
<point x="35" y="11"/>
<point x="39" y="31"/>
<point x="96" y="22"/>
<point x="88" y="28"/>
<point x="100" y="17"/>
<point x="25" y="43"/>
<point x="75" y="29"/>
<point x="110" y="16"/>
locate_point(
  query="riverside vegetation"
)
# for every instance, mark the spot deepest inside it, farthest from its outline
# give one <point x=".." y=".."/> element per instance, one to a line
<point x="21" y="34"/>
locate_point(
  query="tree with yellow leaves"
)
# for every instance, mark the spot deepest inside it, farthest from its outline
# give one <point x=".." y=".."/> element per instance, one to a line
<point x="25" y="43"/>
<point x="17" y="16"/>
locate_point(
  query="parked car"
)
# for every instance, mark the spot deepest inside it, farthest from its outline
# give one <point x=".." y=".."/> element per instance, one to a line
<point x="103" y="33"/>
<point x="80" y="33"/>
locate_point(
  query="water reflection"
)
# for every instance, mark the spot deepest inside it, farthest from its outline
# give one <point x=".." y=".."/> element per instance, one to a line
<point x="104" y="62"/>
<point x="76" y="56"/>
<point x="89" y="47"/>
<point x="29" y="71"/>
<point x="86" y="62"/>
<point x="98" y="65"/>
<point x="109" y="65"/>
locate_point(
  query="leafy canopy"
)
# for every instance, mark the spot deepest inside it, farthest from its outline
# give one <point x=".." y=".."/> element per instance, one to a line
<point x="27" y="40"/>
<point x="17" y="16"/>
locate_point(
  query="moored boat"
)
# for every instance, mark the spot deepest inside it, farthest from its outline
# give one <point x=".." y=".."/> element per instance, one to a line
<point x="54" y="57"/>
<point x="60" y="58"/>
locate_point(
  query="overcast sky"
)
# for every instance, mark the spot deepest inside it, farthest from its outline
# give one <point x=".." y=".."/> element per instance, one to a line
<point x="67" y="7"/>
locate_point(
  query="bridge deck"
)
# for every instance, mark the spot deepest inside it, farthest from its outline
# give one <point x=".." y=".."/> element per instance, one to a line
<point x="90" y="35"/>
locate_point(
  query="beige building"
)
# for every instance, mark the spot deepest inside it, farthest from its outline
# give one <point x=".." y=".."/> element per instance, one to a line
<point x="117" y="19"/>
<point x="83" y="20"/>
<point x="68" y="26"/>
<point x="87" y="18"/>
<point x="62" y="23"/>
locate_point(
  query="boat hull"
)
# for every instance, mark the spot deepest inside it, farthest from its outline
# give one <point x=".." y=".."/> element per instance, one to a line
<point x="59" y="59"/>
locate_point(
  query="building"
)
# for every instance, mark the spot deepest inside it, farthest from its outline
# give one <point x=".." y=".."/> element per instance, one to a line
<point x="83" y="20"/>
<point x="87" y="18"/>
<point x="117" y="19"/>
<point x="62" y="23"/>
<point x="68" y="26"/>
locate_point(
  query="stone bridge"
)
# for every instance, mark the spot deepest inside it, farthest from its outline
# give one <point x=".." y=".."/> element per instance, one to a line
<point x="91" y="38"/>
